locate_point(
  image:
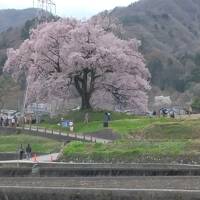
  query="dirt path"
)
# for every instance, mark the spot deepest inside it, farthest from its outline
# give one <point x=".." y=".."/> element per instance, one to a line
<point x="73" y="136"/>
<point x="189" y="117"/>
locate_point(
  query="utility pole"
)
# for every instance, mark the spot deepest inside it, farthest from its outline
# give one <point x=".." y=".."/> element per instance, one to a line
<point x="45" y="7"/>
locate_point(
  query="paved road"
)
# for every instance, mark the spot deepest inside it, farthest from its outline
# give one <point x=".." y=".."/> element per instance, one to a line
<point x="46" y="158"/>
<point x="160" y="183"/>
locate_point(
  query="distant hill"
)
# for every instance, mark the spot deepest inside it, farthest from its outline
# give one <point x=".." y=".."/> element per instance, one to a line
<point x="170" y="35"/>
<point x="15" y="26"/>
<point x="15" y="18"/>
<point x="14" y="29"/>
<point x="169" y="31"/>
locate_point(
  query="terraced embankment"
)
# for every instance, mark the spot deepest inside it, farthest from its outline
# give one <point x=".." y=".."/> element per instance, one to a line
<point x="99" y="182"/>
<point x="101" y="188"/>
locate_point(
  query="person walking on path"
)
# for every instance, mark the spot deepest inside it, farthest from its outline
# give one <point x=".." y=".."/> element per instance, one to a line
<point x="28" y="152"/>
<point x="105" y="120"/>
<point x="1" y="120"/>
<point x="86" y="118"/>
<point x="21" y="152"/>
<point x="13" y="122"/>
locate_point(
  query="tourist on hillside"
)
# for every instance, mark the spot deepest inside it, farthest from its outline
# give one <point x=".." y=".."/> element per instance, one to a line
<point x="189" y="110"/>
<point x="28" y="152"/>
<point x="71" y="126"/>
<point x="1" y="121"/>
<point x="86" y="118"/>
<point x="106" y="120"/>
<point x="13" y="122"/>
<point x="154" y="113"/>
<point x="16" y="121"/>
<point x="21" y="152"/>
<point x="109" y="116"/>
<point x="6" y="121"/>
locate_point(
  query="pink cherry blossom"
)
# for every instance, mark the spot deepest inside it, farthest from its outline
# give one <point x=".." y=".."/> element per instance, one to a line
<point x="69" y="58"/>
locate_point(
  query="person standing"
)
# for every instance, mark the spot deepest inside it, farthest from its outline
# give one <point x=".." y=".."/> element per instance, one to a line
<point x="106" y="119"/>
<point x="16" y="121"/>
<point x="13" y="122"/>
<point x="86" y="118"/>
<point x="28" y="152"/>
<point x="21" y="152"/>
<point x="6" y="121"/>
<point x="1" y="120"/>
<point x="71" y="126"/>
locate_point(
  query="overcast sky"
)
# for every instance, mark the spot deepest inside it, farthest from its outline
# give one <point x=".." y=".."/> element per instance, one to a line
<point x="71" y="8"/>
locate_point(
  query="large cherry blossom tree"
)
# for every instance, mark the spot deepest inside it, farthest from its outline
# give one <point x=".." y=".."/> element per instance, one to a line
<point x="69" y="58"/>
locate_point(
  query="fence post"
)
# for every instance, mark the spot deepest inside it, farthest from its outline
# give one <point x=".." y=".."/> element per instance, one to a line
<point x="37" y="129"/>
<point x="45" y="131"/>
<point x="91" y="138"/>
<point x="30" y="127"/>
<point x="52" y="131"/>
<point x="84" y="137"/>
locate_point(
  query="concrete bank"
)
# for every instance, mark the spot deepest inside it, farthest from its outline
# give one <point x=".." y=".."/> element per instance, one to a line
<point x="33" y="193"/>
<point x="24" y="168"/>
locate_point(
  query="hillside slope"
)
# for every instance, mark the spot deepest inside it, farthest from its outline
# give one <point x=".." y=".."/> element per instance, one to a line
<point x="170" y="35"/>
<point x="15" y="18"/>
<point x="14" y="29"/>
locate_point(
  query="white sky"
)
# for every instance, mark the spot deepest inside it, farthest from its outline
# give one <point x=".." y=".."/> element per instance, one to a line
<point x="71" y="8"/>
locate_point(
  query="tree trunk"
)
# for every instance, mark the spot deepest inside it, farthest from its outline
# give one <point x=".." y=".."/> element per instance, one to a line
<point x="85" y="93"/>
<point x="85" y="102"/>
<point x="84" y="88"/>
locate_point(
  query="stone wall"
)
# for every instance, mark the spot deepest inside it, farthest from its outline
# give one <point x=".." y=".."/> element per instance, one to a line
<point x="17" y="193"/>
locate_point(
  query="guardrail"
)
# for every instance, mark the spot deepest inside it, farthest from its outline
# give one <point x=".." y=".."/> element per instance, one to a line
<point x="68" y="136"/>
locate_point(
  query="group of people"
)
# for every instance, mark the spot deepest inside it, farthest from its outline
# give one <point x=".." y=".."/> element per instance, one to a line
<point x="25" y="153"/>
<point x="8" y="121"/>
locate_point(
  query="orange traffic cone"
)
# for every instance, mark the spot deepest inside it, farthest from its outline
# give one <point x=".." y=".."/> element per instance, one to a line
<point x="34" y="158"/>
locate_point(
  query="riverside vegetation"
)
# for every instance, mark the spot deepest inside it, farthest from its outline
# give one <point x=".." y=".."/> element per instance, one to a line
<point x="11" y="143"/>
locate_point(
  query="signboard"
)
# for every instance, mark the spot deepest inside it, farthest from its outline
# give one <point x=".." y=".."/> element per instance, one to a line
<point x="65" y="123"/>
<point x="38" y="107"/>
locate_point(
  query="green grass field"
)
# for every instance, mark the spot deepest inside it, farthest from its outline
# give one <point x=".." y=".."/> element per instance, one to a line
<point x="120" y="123"/>
<point x="124" y="150"/>
<point x="142" y="139"/>
<point x="11" y="143"/>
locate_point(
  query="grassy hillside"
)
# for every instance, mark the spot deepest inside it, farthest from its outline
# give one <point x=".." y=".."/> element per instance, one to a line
<point x="121" y="123"/>
<point x="11" y="143"/>
<point x="140" y="139"/>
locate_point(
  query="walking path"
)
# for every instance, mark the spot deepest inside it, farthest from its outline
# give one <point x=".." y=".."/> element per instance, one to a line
<point x="73" y="136"/>
<point x="49" y="158"/>
<point x="46" y="158"/>
<point x="189" y="117"/>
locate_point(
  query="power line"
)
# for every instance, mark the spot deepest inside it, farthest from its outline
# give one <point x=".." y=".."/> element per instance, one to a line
<point x="45" y="8"/>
